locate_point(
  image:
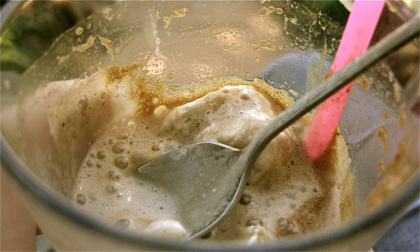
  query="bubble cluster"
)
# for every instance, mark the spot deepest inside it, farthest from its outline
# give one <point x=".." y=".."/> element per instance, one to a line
<point x="285" y="227"/>
<point x="115" y="151"/>
<point x="113" y="188"/>
<point x="114" y="175"/>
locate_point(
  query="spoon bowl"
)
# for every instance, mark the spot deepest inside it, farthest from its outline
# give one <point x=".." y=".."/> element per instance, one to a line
<point x="206" y="179"/>
<point x="194" y="176"/>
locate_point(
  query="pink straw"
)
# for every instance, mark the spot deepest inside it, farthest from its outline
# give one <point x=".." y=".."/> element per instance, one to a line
<point x="356" y="38"/>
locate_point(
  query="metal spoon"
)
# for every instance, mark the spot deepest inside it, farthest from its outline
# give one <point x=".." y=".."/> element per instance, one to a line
<point x="207" y="179"/>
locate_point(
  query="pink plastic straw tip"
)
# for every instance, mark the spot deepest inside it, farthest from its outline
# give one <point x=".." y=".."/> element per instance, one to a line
<point x="356" y="38"/>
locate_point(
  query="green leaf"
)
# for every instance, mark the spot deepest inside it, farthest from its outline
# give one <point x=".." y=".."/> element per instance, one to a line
<point x="333" y="8"/>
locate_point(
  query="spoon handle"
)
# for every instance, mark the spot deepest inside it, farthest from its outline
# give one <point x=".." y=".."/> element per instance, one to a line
<point x="393" y="41"/>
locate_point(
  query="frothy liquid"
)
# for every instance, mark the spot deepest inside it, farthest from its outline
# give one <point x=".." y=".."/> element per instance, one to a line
<point x="286" y="195"/>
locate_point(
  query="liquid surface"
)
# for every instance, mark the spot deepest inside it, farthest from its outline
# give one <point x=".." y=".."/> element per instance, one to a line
<point x="286" y="194"/>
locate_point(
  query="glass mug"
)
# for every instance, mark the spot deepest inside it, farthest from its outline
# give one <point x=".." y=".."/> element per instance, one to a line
<point x="294" y="53"/>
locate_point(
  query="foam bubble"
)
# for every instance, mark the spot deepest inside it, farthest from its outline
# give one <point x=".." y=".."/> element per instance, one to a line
<point x="101" y="154"/>
<point x="121" y="162"/>
<point x="89" y="162"/>
<point x="113" y="188"/>
<point x="254" y="222"/>
<point x="245" y="199"/>
<point x="81" y="199"/>
<point x="160" y="110"/>
<point x="285" y="227"/>
<point x="118" y="148"/>
<point x="123" y="223"/>
<point x="122" y="133"/>
<point x="114" y="175"/>
<point x="155" y="147"/>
